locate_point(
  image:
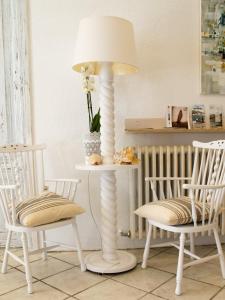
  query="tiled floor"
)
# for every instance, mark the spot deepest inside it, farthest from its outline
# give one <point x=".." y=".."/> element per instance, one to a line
<point x="60" y="278"/>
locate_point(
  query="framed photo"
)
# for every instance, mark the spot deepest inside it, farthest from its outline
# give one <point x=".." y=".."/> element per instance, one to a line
<point x="198" y="117"/>
<point x="213" y="47"/>
<point x="216" y="116"/>
<point x="178" y="117"/>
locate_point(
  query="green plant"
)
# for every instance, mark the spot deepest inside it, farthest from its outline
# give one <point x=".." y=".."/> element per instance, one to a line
<point x="88" y="87"/>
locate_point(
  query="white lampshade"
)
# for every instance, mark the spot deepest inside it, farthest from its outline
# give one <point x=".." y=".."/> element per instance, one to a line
<point x="105" y="39"/>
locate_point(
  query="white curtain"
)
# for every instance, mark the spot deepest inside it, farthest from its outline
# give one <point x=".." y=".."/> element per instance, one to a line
<point x="15" y="112"/>
<point x="15" y="124"/>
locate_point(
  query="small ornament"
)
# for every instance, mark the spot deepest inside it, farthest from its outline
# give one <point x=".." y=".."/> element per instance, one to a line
<point x="95" y="159"/>
<point x="126" y="157"/>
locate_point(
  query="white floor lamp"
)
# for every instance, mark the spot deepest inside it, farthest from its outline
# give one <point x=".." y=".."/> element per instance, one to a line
<point x="106" y="46"/>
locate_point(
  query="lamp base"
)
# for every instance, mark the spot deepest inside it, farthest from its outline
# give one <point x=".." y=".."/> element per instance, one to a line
<point x="96" y="263"/>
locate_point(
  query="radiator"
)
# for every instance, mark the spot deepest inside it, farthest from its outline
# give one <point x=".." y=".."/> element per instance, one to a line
<point x="158" y="161"/>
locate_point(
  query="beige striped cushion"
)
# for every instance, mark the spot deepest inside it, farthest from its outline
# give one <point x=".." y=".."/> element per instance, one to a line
<point x="47" y="208"/>
<point x="172" y="212"/>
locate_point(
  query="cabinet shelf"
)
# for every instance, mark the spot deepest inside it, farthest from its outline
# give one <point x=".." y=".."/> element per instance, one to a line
<point x="175" y="130"/>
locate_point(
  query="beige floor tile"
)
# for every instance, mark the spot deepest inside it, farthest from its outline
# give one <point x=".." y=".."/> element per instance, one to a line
<point x="68" y="256"/>
<point x="139" y="253"/>
<point x="165" y="262"/>
<point x="41" y="291"/>
<point x="42" y="269"/>
<point x="151" y="297"/>
<point x="11" y="280"/>
<point x="74" y="281"/>
<point x="110" y="290"/>
<point x="220" y="295"/>
<point x="192" y="290"/>
<point x="209" y="273"/>
<point x="199" y="250"/>
<point x="144" y="279"/>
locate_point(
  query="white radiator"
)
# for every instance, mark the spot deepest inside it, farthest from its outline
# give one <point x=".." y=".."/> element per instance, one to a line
<point x="158" y="161"/>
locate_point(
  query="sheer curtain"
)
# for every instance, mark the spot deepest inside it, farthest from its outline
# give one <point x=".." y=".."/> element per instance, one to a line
<point x="15" y="105"/>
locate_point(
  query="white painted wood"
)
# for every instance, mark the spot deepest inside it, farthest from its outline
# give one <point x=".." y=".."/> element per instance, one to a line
<point x="79" y="250"/>
<point x="180" y="264"/>
<point x="191" y="254"/>
<point x="17" y="184"/>
<point x="183" y="153"/>
<point x="147" y="247"/>
<point x="220" y="252"/>
<point x="44" y="246"/>
<point x="109" y="216"/>
<point x="19" y="260"/>
<point x="95" y="262"/>
<point x="201" y="260"/>
<point x="5" y="258"/>
<point x="106" y="167"/>
<point x="106" y="98"/>
<point x="192" y="243"/>
<point x="209" y="190"/>
<point x="26" y="262"/>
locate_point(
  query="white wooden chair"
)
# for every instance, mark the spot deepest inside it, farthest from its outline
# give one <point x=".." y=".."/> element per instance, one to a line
<point x="206" y="187"/>
<point x="22" y="177"/>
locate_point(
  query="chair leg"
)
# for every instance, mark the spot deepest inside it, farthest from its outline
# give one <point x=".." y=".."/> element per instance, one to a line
<point x="220" y="252"/>
<point x="192" y="244"/>
<point x="6" y="255"/>
<point x="44" y="253"/>
<point x="79" y="250"/>
<point x="147" y="247"/>
<point x="180" y="264"/>
<point x="26" y="262"/>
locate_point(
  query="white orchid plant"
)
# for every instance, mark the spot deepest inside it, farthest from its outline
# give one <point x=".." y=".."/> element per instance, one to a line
<point x="88" y="87"/>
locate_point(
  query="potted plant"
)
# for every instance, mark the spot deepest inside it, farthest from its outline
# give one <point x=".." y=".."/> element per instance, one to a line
<point x="92" y="139"/>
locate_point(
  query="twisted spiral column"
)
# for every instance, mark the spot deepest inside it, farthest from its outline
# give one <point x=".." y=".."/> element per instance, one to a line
<point x="108" y="178"/>
<point x="107" y="113"/>
<point x="109" y="216"/>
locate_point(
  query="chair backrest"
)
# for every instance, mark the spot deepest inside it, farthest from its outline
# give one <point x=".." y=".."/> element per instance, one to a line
<point x="208" y="169"/>
<point x="20" y="165"/>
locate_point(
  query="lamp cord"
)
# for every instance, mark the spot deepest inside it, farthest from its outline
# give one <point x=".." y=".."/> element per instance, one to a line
<point x="91" y="210"/>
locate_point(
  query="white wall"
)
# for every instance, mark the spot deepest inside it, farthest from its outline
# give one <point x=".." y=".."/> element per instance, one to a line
<point x="167" y="38"/>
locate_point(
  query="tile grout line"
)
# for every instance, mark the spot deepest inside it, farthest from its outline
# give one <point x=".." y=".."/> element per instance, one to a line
<point x="152" y="291"/>
<point x="55" y="288"/>
<point x="98" y="283"/>
<point x="216" y="293"/>
<point x="77" y="266"/>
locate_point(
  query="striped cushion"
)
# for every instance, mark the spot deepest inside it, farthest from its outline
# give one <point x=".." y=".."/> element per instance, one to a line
<point x="45" y="209"/>
<point x="172" y="212"/>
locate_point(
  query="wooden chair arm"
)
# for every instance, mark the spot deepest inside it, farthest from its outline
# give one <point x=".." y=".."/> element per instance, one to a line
<point x="203" y="186"/>
<point x="9" y="187"/>
<point x="63" y="180"/>
<point x="166" y="178"/>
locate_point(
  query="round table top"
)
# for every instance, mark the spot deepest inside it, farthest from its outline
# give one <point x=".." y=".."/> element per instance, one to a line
<point x="106" y="167"/>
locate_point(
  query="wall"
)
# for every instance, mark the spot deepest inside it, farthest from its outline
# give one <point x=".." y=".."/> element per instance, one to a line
<point x="167" y="38"/>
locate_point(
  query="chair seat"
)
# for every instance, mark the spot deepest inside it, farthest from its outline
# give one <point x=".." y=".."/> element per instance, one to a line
<point x="21" y="228"/>
<point x="175" y="211"/>
<point x="45" y="209"/>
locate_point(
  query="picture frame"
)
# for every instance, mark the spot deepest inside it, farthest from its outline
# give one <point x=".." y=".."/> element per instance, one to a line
<point x="212" y="45"/>
<point x="177" y="117"/>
